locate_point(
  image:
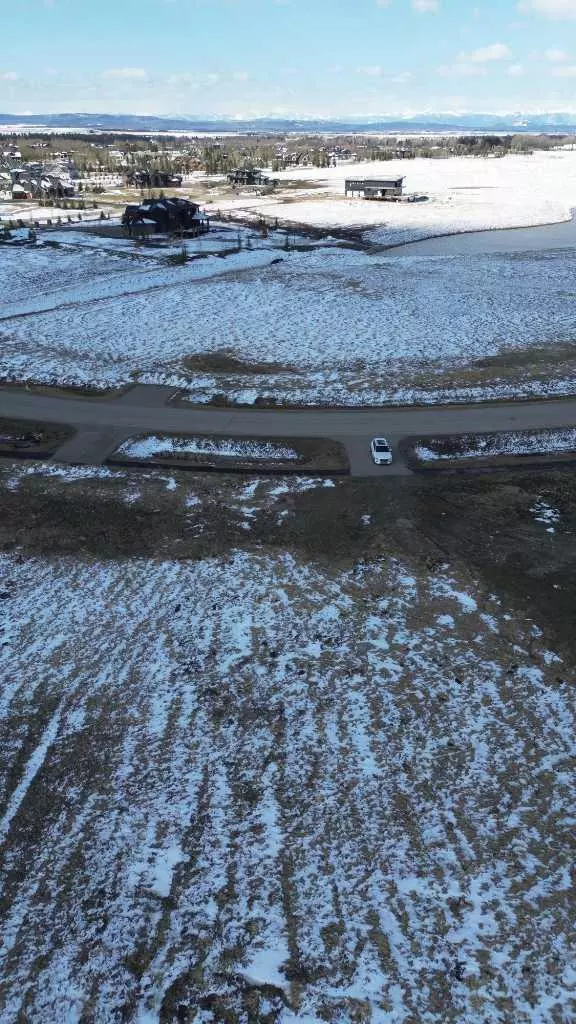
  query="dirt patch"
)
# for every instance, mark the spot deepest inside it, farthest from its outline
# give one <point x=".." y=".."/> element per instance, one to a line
<point x="484" y="522"/>
<point x="69" y="391"/>
<point x="28" y="440"/>
<point x="224" y="361"/>
<point x="537" y="365"/>
<point x="489" y="522"/>
<point x="529" y="356"/>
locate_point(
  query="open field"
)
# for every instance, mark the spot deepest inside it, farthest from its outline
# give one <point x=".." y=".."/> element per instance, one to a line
<point x="325" y="323"/>
<point x="465" y="194"/>
<point x="329" y="325"/>
<point x="320" y="773"/>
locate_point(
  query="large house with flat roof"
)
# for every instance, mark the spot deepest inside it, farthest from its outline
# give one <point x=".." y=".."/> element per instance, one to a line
<point x="375" y="188"/>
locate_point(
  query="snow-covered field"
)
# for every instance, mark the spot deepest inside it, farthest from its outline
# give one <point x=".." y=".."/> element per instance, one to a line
<point x="153" y="446"/>
<point x="513" y="442"/>
<point x="348" y="327"/>
<point x="340" y="326"/>
<point x="253" y="788"/>
<point x="28" y="212"/>
<point x="465" y="194"/>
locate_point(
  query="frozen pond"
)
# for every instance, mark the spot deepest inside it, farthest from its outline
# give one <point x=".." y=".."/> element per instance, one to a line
<point x="481" y="243"/>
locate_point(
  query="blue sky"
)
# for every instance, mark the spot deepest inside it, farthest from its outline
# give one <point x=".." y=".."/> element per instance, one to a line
<point x="287" y="57"/>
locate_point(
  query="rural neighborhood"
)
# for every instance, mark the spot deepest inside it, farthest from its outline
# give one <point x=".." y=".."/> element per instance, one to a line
<point x="287" y="512"/>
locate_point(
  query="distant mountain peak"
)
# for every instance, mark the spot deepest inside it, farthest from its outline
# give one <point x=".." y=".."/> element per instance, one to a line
<point x="426" y="122"/>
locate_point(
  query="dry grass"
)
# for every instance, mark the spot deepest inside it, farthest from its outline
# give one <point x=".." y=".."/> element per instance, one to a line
<point x="387" y="796"/>
<point x="225" y="361"/>
<point x="30" y="440"/>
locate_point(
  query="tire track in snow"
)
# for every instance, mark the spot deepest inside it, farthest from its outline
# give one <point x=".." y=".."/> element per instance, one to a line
<point x="35" y="762"/>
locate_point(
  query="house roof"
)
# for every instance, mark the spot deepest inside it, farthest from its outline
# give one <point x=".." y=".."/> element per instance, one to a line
<point x="375" y="182"/>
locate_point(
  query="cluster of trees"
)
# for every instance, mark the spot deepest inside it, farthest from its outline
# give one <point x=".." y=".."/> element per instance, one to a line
<point x="108" y="153"/>
<point x="463" y="145"/>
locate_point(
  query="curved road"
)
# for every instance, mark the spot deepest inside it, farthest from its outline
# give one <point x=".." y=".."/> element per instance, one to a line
<point x="102" y="424"/>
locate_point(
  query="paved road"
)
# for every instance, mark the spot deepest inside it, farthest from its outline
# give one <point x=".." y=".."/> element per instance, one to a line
<point x="103" y="423"/>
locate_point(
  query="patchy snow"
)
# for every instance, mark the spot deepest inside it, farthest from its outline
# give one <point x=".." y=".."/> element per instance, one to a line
<point x="513" y="442"/>
<point x="34" y="765"/>
<point x="265" y="968"/>
<point x="16" y="236"/>
<point x="546" y="514"/>
<point x="465" y="194"/>
<point x="153" y="446"/>
<point x="69" y="474"/>
<point x="255" y="774"/>
<point x="221" y="239"/>
<point x="350" y="327"/>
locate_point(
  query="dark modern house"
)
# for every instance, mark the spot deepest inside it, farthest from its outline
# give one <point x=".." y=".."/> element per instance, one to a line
<point x="375" y="188"/>
<point x="165" y="216"/>
<point x="247" y="176"/>
<point x="153" y="179"/>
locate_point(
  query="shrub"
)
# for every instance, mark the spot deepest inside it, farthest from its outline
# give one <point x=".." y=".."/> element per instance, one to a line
<point x="178" y="259"/>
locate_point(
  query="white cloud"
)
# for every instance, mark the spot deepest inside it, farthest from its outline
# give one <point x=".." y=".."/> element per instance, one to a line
<point x="553" y="8"/>
<point x="184" y="79"/>
<point x="461" y="69"/>
<point x="130" y="73"/>
<point x="516" y="70"/>
<point x="497" y="51"/>
<point x="241" y="76"/>
<point x="9" y="76"/>
<point x="383" y="3"/>
<point x="404" y="76"/>
<point x="470" y="64"/>
<point x="426" y="6"/>
<point x="371" y="70"/>
<point x="565" y="71"/>
<point x="556" y="56"/>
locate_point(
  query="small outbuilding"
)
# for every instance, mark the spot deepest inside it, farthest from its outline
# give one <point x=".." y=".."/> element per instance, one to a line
<point x="387" y="189"/>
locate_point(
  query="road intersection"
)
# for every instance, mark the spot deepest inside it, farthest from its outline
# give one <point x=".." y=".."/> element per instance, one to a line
<point x="102" y="423"/>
